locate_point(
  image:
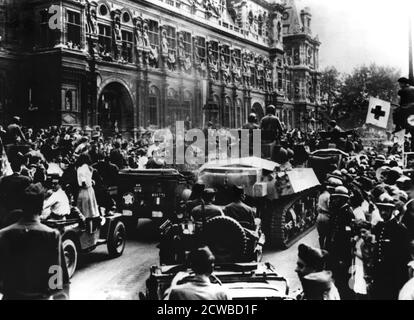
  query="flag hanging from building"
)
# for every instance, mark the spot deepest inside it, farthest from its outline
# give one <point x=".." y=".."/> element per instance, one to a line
<point x="378" y="112"/>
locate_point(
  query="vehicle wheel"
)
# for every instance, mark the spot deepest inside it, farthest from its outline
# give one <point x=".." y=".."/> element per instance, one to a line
<point x="116" y="240"/>
<point x="71" y="255"/>
<point x="226" y="239"/>
<point x="284" y="224"/>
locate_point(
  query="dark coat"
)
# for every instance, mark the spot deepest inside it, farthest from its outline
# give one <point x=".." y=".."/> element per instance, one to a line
<point x="271" y="128"/>
<point x="240" y="212"/>
<point x="391" y="255"/>
<point x="29" y="254"/>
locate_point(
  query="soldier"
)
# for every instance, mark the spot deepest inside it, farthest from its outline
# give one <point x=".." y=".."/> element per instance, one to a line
<point x="198" y="286"/>
<point x="324" y="215"/>
<point x="240" y="211"/>
<point x="251" y="122"/>
<point x="391" y="255"/>
<point x="310" y="268"/>
<point x="340" y="245"/>
<point x="270" y="125"/>
<point x="31" y="254"/>
<point x="207" y="209"/>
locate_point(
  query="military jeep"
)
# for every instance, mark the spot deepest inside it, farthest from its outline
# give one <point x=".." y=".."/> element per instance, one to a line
<point x="242" y="281"/>
<point x="150" y="193"/>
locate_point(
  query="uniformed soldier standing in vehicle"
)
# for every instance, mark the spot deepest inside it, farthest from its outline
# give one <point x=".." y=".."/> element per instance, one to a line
<point x="270" y="125"/>
<point x="32" y="264"/>
<point x="391" y="255"/>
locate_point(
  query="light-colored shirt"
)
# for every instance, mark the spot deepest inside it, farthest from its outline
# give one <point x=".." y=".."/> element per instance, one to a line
<point x="84" y="174"/>
<point x="57" y="203"/>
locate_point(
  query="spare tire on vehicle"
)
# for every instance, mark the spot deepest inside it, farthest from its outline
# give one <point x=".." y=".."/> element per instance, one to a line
<point x="226" y="239"/>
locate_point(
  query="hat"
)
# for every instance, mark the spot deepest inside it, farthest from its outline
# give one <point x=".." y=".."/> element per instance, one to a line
<point x="340" y="191"/>
<point x="238" y="191"/>
<point x="403" y="182"/>
<point x="313" y="257"/>
<point x="385" y="205"/>
<point x="352" y="171"/>
<point x="209" y="191"/>
<point x="16" y="119"/>
<point x="381" y="157"/>
<point x="334" y="182"/>
<point x="404" y="80"/>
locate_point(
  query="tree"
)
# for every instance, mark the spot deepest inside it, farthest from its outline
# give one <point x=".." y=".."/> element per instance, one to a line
<point x="363" y="82"/>
<point x="331" y="82"/>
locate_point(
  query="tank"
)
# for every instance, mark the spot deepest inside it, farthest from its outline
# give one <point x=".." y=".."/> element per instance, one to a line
<point x="284" y="200"/>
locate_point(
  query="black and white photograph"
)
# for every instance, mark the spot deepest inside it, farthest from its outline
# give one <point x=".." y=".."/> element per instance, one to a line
<point x="214" y="150"/>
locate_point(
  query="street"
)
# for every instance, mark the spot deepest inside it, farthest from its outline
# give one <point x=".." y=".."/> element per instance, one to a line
<point x="123" y="278"/>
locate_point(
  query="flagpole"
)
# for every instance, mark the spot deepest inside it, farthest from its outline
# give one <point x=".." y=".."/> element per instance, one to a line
<point x="410" y="53"/>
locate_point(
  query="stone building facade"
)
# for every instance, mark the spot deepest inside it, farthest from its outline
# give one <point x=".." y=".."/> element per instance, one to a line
<point x="125" y="64"/>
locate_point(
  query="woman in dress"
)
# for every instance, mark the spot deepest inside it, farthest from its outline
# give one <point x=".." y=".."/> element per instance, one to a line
<point x="86" y="201"/>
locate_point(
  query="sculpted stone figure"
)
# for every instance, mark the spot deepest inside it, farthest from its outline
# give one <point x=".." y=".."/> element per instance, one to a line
<point x="139" y="41"/>
<point x="212" y="63"/>
<point x="91" y="20"/>
<point x="145" y="37"/>
<point x="225" y="70"/>
<point x="153" y="57"/>
<point x="164" y="42"/>
<point x="235" y="68"/>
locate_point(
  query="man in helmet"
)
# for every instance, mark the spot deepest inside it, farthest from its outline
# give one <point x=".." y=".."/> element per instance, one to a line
<point x="323" y="223"/>
<point x="340" y="245"/>
<point x="391" y="255"/>
<point x="251" y="122"/>
<point x="270" y="125"/>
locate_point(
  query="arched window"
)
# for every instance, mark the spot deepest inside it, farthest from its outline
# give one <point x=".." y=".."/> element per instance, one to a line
<point x="173" y="107"/>
<point x="238" y="114"/>
<point x="226" y="112"/>
<point x="153" y="106"/>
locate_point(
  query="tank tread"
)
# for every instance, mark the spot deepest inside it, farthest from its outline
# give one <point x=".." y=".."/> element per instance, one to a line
<point x="278" y="236"/>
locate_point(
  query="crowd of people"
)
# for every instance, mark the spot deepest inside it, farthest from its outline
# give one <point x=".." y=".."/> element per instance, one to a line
<point x="366" y="230"/>
<point x="365" y="215"/>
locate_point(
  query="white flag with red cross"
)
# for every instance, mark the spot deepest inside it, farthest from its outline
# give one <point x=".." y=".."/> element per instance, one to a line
<point x="378" y="112"/>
